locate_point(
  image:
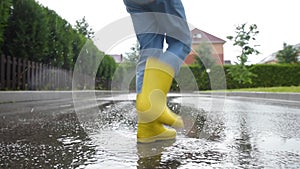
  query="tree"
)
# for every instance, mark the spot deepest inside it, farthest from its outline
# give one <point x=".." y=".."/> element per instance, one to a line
<point x="55" y="40"/>
<point x="243" y="38"/>
<point x="106" y="71"/>
<point x="5" y="8"/>
<point x="64" y="42"/>
<point x="27" y="32"/>
<point x="39" y="34"/>
<point x="133" y="56"/>
<point x="288" y="54"/>
<point x="77" y="44"/>
<point x="83" y="27"/>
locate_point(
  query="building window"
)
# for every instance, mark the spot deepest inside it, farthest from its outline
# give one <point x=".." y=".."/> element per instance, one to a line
<point x="197" y="35"/>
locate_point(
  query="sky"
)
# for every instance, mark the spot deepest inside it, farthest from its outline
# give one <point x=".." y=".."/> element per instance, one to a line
<point x="277" y="20"/>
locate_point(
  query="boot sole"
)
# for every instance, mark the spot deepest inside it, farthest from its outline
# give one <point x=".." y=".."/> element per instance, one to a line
<point x="160" y="137"/>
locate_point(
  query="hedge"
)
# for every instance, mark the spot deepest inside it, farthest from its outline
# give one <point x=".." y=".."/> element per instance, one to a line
<point x="267" y="75"/>
<point x="191" y="78"/>
<point x="276" y="75"/>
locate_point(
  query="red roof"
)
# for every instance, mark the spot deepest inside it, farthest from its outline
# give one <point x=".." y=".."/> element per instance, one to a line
<point x="201" y="36"/>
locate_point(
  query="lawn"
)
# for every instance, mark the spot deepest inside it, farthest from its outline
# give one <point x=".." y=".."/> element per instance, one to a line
<point x="295" y="89"/>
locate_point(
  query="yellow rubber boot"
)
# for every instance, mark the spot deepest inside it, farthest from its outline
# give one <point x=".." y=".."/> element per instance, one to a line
<point x="152" y="110"/>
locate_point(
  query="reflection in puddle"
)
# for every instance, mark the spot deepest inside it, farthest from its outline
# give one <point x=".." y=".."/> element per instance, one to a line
<point x="43" y="141"/>
<point x="107" y="139"/>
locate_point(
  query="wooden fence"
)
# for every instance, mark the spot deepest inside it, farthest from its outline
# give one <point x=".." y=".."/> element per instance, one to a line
<point x="20" y="74"/>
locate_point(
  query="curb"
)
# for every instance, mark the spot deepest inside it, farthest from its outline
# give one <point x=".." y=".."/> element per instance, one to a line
<point x="264" y="95"/>
<point x="22" y="96"/>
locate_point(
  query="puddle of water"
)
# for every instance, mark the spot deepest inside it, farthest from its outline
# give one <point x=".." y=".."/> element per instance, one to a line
<point x="37" y="140"/>
<point x="244" y="135"/>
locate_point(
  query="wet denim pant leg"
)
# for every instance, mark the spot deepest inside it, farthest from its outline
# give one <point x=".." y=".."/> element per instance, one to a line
<point x="155" y="21"/>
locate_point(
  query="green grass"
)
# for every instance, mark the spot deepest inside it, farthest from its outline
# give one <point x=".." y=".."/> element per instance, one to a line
<point x="295" y="89"/>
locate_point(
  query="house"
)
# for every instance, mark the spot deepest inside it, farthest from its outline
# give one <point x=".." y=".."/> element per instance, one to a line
<point x="227" y="62"/>
<point x="272" y="58"/>
<point x="117" y="58"/>
<point x="269" y="59"/>
<point x="198" y="37"/>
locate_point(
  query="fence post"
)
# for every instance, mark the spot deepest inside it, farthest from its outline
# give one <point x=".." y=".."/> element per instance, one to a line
<point x="44" y="76"/>
<point x="37" y="76"/>
<point x="52" y="80"/>
<point x="48" y="76"/>
<point x="14" y="73"/>
<point x="29" y="78"/>
<point x="23" y="74"/>
<point x="19" y="75"/>
<point x="2" y="72"/>
<point x="56" y="78"/>
<point x="36" y="72"/>
<point x="32" y="80"/>
<point x="40" y="69"/>
<point x="8" y="72"/>
<point x="69" y="77"/>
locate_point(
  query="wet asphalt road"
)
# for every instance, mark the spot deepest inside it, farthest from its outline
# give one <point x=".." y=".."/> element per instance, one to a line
<point x="220" y="132"/>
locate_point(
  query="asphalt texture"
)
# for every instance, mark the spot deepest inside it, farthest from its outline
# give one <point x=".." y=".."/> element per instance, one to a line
<point x="97" y="129"/>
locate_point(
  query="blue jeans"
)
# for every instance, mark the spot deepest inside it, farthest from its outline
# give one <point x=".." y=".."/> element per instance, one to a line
<point x="156" y="21"/>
